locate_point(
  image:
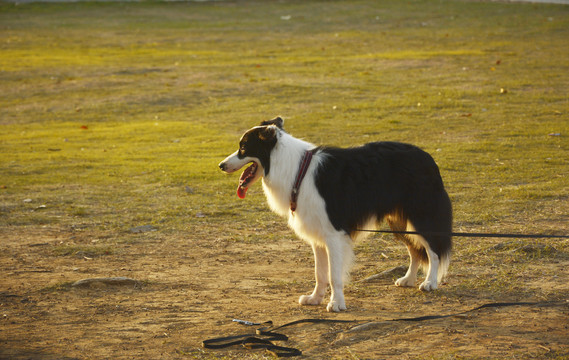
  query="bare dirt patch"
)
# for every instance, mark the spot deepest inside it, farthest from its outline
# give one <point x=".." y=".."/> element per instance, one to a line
<point x="191" y="288"/>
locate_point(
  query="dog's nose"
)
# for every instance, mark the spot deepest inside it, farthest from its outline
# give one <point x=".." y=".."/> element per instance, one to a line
<point x="222" y="166"/>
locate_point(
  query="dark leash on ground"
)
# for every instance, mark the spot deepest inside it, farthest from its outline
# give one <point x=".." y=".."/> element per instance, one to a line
<point x="265" y="336"/>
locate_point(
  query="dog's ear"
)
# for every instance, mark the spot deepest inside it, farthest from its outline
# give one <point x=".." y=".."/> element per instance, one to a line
<point x="278" y="122"/>
<point x="268" y="134"/>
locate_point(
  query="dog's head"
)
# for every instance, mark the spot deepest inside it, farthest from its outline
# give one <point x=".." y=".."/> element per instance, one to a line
<point x="254" y="148"/>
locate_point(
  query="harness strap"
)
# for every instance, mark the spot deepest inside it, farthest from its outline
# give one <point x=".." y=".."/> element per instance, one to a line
<point x="303" y="167"/>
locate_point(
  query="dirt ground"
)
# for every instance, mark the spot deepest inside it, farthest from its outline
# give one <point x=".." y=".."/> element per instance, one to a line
<point x="191" y="288"/>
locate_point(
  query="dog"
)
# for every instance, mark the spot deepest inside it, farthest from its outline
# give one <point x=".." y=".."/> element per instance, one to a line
<point x="329" y="194"/>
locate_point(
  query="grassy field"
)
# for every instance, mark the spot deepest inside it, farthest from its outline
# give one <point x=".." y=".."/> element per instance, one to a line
<point x="115" y="115"/>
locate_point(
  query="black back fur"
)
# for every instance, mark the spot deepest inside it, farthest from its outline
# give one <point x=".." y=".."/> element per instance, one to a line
<point x="381" y="179"/>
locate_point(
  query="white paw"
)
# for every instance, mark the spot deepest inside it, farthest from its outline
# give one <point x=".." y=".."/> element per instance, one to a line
<point x="310" y="300"/>
<point x="405" y="281"/>
<point x="428" y="286"/>
<point x="335" y="306"/>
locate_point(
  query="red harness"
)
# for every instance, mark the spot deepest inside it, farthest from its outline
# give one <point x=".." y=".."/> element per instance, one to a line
<point x="304" y="164"/>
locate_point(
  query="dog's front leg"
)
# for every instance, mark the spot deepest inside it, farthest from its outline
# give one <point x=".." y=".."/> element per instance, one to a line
<point x="321" y="275"/>
<point x="340" y="257"/>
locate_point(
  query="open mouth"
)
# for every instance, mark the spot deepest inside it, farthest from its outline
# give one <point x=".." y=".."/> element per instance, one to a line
<point x="245" y="180"/>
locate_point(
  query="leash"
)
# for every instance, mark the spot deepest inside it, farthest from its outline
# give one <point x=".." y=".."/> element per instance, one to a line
<point x="485" y="306"/>
<point x="303" y="168"/>
<point x="263" y="337"/>
<point x="469" y="234"/>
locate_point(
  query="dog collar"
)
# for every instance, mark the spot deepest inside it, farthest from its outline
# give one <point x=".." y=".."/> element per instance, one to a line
<point x="303" y="167"/>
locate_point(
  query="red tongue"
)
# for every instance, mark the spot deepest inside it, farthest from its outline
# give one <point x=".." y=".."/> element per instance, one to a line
<point x="244" y="180"/>
<point x="241" y="192"/>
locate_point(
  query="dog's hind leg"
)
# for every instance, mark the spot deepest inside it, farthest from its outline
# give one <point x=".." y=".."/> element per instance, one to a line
<point x="340" y="258"/>
<point x="410" y="277"/>
<point x="431" y="280"/>
<point x="419" y="241"/>
<point x="321" y="275"/>
<point x="398" y="222"/>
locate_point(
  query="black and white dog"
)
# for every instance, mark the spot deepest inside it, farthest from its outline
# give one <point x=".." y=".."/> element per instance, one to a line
<point x="329" y="193"/>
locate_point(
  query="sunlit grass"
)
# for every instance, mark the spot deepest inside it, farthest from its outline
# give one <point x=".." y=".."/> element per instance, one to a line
<point x="116" y="114"/>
